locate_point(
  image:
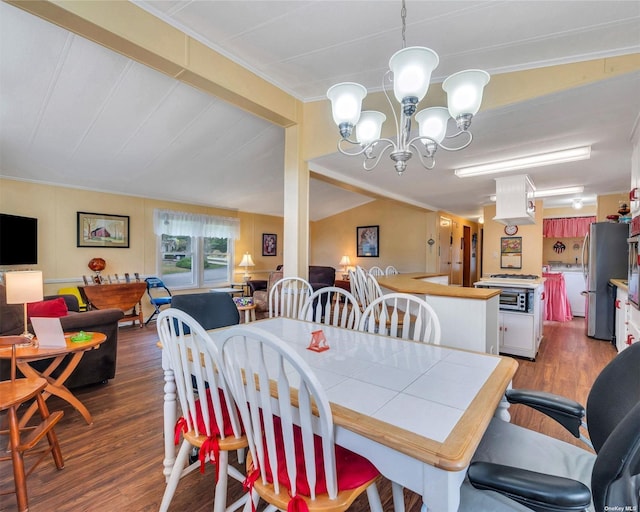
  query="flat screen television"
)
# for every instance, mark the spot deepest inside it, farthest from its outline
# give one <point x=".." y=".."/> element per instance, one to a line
<point x="18" y="240"/>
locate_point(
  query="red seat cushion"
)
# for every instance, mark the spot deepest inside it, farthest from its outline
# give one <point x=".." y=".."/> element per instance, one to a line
<point x="227" y="428"/>
<point x="181" y="424"/>
<point x="53" y="308"/>
<point x="352" y="469"/>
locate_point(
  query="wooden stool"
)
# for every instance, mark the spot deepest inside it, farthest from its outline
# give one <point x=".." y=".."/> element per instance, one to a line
<point x="13" y="393"/>
<point x="249" y="312"/>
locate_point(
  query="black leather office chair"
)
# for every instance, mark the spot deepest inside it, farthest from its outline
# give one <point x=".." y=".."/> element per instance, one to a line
<point x="518" y="469"/>
<point x="210" y="310"/>
<point x="153" y="285"/>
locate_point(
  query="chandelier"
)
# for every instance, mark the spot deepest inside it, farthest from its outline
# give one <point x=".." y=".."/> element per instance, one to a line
<point x="410" y="72"/>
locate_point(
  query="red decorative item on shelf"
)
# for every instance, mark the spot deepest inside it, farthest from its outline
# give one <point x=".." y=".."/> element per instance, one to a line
<point x="97" y="264"/>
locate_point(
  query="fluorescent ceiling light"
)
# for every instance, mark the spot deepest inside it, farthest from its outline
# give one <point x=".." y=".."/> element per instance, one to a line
<point x="553" y="192"/>
<point x="526" y="162"/>
<point x="558" y="191"/>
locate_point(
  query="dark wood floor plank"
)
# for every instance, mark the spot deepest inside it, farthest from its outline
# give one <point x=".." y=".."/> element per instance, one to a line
<point x="115" y="465"/>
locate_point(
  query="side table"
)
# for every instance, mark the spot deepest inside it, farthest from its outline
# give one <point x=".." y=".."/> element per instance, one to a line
<point x="230" y="290"/>
<point x="55" y="385"/>
<point x="246" y="291"/>
<point x="345" y="284"/>
<point x="249" y="312"/>
<point x="123" y="296"/>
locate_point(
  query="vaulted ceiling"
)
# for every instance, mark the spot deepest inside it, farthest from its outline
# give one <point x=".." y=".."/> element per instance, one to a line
<point x="75" y="113"/>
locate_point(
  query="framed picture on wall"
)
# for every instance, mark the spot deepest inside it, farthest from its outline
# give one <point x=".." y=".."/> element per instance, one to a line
<point x="511" y="252"/>
<point x="368" y="241"/>
<point x="103" y="230"/>
<point x="269" y="244"/>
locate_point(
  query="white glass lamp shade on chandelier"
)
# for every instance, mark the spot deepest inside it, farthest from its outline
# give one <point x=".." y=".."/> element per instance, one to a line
<point x="410" y="72"/>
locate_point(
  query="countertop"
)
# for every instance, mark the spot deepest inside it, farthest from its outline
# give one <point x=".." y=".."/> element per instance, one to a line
<point x="566" y="268"/>
<point x="412" y="282"/>
<point x="620" y="283"/>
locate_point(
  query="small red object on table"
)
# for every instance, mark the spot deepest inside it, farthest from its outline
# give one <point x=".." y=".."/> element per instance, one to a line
<point x="318" y="341"/>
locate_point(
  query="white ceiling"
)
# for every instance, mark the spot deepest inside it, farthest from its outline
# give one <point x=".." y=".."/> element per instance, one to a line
<point x="77" y="114"/>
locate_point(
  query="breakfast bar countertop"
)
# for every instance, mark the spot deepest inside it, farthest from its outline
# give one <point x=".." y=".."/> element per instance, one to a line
<point x="412" y="282"/>
<point x="620" y="283"/>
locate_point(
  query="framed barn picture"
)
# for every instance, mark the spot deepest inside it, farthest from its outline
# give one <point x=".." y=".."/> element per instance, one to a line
<point x="103" y="230"/>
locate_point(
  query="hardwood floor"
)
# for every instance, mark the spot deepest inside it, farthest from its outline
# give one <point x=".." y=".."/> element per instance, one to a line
<point x="116" y="463"/>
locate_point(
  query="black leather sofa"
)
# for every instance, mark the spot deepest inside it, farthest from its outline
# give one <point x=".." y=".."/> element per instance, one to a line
<point x="96" y="366"/>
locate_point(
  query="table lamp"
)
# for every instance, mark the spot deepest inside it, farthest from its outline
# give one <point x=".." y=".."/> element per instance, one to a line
<point x="24" y="287"/>
<point x="345" y="262"/>
<point x="246" y="263"/>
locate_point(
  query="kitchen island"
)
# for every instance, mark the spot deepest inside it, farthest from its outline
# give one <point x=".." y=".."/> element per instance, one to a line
<point x="468" y="316"/>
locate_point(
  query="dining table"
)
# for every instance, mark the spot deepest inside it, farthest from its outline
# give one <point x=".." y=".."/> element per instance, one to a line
<point x="417" y="411"/>
<point x="59" y="359"/>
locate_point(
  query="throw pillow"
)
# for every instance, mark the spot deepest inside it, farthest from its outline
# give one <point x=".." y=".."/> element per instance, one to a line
<point x="53" y="308"/>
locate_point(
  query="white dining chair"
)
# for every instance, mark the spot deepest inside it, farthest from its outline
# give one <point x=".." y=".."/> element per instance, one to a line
<point x="391" y="270"/>
<point x="293" y="461"/>
<point x="372" y="289"/>
<point x="376" y="271"/>
<point x="287" y="296"/>
<point x="215" y="429"/>
<point x="358" y="285"/>
<point x="402" y="315"/>
<point x="332" y="305"/>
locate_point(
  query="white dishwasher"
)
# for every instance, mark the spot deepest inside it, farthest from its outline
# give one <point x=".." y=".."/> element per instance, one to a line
<point x="575" y="285"/>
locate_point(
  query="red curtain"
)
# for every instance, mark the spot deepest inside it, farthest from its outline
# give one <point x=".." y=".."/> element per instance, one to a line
<point x="570" y="227"/>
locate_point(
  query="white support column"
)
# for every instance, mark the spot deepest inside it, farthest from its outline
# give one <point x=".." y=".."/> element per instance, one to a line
<point x="296" y="207"/>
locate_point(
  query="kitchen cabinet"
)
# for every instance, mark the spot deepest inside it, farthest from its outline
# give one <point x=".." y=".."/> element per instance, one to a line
<point x="516" y="334"/>
<point x="622" y="318"/>
<point x="575" y="285"/>
<point x="520" y="334"/>
<point x="539" y="298"/>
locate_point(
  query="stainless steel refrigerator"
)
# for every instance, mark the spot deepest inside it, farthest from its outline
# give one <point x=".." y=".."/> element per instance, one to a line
<point x="607" y="249"/>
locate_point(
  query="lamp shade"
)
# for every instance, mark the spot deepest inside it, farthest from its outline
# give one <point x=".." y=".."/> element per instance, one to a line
<point x="433" y="123"/>
<point x="247" y="261"/>
<point x="24" y="286"/>
<point x="464" y="91"/>
<point x="345" y="261"/>
<point x="346" y="102"/>
<point x="369" y="126"/>
<point x="412" y="68"/>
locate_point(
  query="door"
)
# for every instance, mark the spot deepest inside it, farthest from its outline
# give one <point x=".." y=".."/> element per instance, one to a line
<point x="445" y="240"/>
<point x="456" y="253"/>
<point x="466" y="256"/>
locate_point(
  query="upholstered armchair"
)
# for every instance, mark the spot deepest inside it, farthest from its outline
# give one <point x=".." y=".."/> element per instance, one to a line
<point x="319" y="277"/>
<point x="261" y="297"/>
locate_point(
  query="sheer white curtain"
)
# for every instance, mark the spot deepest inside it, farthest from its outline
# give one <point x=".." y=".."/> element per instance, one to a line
<point x="173" y="223"/>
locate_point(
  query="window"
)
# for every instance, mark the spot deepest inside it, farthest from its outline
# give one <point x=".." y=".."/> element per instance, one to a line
<point x="195" y="250"/>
